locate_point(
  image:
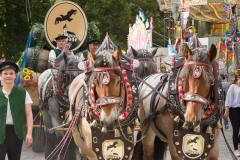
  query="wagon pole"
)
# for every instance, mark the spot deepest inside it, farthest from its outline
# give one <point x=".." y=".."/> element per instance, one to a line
<point x="59" y="128"/>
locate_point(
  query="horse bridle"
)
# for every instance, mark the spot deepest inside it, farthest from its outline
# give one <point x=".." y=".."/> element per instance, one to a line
<point x="104" y="79"/>
<point x="189" y="96"/>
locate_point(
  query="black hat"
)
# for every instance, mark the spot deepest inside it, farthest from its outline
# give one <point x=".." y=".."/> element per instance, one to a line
<point x="9" y="64"/>
<point x="94" y="41"/>
<point x="60" y="36"/>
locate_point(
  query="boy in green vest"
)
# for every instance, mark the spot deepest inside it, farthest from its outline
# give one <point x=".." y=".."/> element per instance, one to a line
<point x="15" y="112"/>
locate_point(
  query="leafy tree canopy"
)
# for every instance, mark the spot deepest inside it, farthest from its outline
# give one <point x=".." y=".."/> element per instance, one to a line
<point x="112" y="16"/>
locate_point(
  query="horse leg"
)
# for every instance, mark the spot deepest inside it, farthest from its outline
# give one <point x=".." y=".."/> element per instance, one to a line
<point x="50" y="139"/>
<point x="54" y="112"/>
<point x="56" y="121"/>
<point x="148" y="144"/>
<point x="83" y="131"/>
<point x="214" y="153"/>
<point x="173" y="151"/>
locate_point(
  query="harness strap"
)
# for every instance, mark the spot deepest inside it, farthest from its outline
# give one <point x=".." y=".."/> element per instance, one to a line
<point x="153" y="110"/>
<point x="155" y="91"/>
<point x="100" y="69"/>
<point x="160" y="111"/>
<point x="197" y="63"/>
<point x="189" y="96"/>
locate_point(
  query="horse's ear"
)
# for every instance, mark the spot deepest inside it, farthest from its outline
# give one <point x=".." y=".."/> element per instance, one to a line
<point x="186" y="51"/>
<point x="91" y="57"/>
<point x="212" y="52"/>
<point x="117" y="54"/>
<point x="154" y="52"/>
<point x="135" y="53"/>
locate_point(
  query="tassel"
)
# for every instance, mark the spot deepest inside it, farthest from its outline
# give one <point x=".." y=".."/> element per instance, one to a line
<point x="137" y="123"/>
<point x="104" y="130"/>
<point x="197" y="129"/>
<point x="129" y="130"/>
<point x="209" y="130"/>
<point x="185" y="125"/>
<point x="176" y="119"/>
<point x="219" y="125"/>
<point x="94" y="123"/>
<point x="117" y="133"/>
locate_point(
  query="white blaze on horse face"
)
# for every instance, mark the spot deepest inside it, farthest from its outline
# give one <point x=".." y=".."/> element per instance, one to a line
<point x="194" y="109"/>
<point x="110" y="119"/>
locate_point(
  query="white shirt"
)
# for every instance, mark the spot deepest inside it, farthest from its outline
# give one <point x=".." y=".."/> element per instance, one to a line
<point x="233" y="94"/>
<point x="9" y="119"/>
<point x="52" y="54"/>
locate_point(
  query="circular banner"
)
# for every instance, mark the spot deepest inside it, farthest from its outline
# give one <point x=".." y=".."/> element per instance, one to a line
<point x="68" y="19"/>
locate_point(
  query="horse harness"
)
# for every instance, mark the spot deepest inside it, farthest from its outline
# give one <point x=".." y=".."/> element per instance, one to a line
<point x="184" y="137"/>
<point x="62" y="96"/>
<point x="117" y="143"/>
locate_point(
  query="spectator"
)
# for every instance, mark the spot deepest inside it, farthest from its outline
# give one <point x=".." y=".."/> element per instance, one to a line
<point x="225" y="86"/>
<point x="232" y="109"/>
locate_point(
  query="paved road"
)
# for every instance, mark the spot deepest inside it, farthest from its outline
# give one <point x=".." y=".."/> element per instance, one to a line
<point x="28" y="154"/>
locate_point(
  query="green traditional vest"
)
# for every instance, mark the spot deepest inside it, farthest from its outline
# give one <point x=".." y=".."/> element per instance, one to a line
<point x="57" y="52"/>
<point x="85" y="54"/>
<point x="17" y="105"/>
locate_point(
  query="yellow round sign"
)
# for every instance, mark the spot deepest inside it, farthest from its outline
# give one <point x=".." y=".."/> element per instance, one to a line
<point x="68" y="19"/>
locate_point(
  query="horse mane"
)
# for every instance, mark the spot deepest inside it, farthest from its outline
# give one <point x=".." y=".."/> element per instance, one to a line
<point x="110" y="62"/>
<point x="198" y="55"/>
<point x="149" y="64"/>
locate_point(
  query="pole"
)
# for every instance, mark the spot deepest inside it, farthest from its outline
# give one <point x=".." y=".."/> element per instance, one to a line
<point x="236" y="49"/>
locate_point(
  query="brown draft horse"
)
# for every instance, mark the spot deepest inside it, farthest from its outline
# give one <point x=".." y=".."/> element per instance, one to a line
<point x="166" y="119"/>
<point x="106" y="85"/>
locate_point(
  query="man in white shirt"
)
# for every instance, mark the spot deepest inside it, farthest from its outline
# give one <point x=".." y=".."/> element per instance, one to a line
<point x="54" y="53"/>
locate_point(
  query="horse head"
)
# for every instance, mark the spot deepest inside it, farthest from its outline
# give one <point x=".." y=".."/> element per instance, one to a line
<point x="69" y="67"/>
<point x="147" y="65"/>
<point x="107" y="92"/>
<point x="197" y="75"/>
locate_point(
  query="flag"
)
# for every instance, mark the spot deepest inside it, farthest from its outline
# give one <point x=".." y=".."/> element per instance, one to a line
<point x="147" y="25"/>
<point x="142" y="16"/>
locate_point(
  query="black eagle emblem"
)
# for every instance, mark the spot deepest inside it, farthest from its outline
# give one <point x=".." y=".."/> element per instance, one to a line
<point x="194" y="140"/>
<point x="114" y="145"/>
<point x="66" y="17"/>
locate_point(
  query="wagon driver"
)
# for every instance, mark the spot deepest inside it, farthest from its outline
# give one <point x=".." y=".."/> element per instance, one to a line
<point x="54" y="53"/>
<point x="92" y="47"/>
<point x="15" y="111"/>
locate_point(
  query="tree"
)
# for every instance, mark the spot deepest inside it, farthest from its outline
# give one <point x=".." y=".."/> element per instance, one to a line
<point x="112" y="16"/>
<point x="15" y="26"/>
<point x="115" y="16"/>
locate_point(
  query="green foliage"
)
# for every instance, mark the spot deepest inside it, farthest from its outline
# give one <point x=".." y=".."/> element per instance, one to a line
<point x="112" y="16"/>
<point x="93" y="33"/>
<point x="15" y="25"/>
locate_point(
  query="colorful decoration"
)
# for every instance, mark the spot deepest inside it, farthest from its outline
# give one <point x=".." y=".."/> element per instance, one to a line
<point x="226" y="55"/>
<point x="140" y="33"/>
<point x="27" y="78"/>
<point x="184" y="13"/>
